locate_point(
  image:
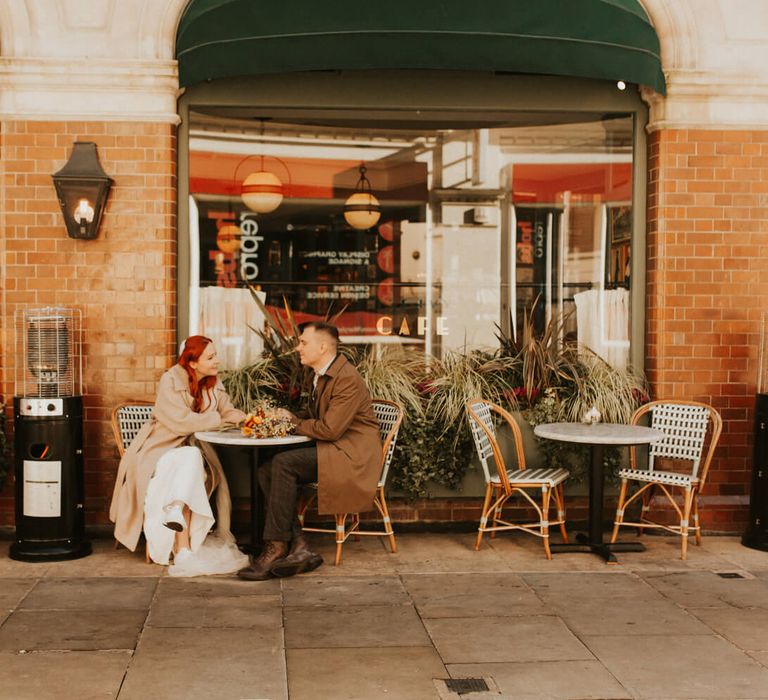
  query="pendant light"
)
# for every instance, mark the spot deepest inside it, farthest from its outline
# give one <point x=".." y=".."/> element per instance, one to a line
<point x="362" y="209"/>
<point x="262" y="191"/>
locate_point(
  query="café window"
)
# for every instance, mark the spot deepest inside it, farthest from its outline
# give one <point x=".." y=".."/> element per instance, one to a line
<point x="477" y="227"/>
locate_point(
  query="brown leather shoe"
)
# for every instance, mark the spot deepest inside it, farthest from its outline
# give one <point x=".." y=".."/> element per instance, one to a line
<point x="259" y="570"/>
<point x="299" y="560"/>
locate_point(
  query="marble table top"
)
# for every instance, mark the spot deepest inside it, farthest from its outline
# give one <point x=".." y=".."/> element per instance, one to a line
<point x="236" y="437"/>
<point x="599" y="433"/>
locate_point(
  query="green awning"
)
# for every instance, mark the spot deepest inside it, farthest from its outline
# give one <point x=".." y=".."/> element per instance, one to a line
<point x="604" y="39"/>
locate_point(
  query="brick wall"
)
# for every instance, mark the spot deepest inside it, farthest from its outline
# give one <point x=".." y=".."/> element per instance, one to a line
<point x="707" y="287"/>
<point x="123" y="282"/>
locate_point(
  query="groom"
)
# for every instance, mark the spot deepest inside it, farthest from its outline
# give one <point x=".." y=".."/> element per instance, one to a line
<point x="345" y="461"/>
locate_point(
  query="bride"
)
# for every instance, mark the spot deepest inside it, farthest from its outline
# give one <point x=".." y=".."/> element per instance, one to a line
<point x="165" y="478"/>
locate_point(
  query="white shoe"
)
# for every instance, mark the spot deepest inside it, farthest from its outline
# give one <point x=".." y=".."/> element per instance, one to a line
<point x="174" y="519"/>
<point x="183" y="556"/>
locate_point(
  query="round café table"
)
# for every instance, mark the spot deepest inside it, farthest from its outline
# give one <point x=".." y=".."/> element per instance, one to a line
<point x="235" y="438"/>
<point x="597" y="436"/>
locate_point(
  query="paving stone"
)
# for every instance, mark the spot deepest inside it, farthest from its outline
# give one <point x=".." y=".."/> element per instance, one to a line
<point x="74" y="630"/>
<point x="367" y="557"/>
<point x="625" y="616"/>
<point x="91" y="594"/>
<point x="523" y="552"/>
<point x="374" y="626"/>
<point x="10" y="568"/>
<point x="680" y="666"/>
<point x="483" y="640"/>
<point x="333" y="591"/>
<point x="106" y="561"/>
<point x="739" y="556"/>
<point x="218" y="611"/>
<point x="472" y="595"/>
<point x="434" y="553"/>
<point x="704" y="589"/>
<point x="206" y="586"/>
<point x="569" y="589"/>
<point x="546" y="680"/>
<point x="760" y="656"/>
<point x="202" y="664"/>
<point x="398" y="673"/>
<point x="747" y="628"/>
<point x="53" y="675"/>
<point x="12" y="592"/>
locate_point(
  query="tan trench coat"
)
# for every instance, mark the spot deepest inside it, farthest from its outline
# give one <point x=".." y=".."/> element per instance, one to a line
<point x="346" y="431"/>
<point x="172" y="425"/>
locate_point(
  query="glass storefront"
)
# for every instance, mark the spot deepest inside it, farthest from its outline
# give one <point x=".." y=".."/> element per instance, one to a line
<point x="482" y="223"/>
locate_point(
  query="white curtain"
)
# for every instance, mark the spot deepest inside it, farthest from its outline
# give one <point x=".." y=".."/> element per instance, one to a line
<point x="225" y="314"/>
<point x="602" y="321"/>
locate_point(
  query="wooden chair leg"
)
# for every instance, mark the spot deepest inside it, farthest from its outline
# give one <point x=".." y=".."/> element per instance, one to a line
<point x="382" y="505"/>
<point x="560" y="502"/>
<point x="146" y="554"/>
<point x="646" y="507"/>
<point x="340" y="520"/>
<point x="684" y="523"/>
<point x="495" y="521"/>
<point x="619" y="510"/>
<point x="484" y="515"/>
<point x="695" y="516"/>
<point x="545" y="496"/>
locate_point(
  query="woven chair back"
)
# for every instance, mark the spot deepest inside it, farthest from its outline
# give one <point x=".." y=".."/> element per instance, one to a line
<point x="390" y="416"/>
<point x="685" y="425"/>
<point x="127" y="421"/>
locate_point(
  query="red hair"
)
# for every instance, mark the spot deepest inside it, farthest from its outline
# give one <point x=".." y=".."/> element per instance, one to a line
<point x="194" y="347"/>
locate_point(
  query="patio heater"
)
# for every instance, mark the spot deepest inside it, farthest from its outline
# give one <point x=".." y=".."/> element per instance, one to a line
<point x="48" y="436"/>
<point x="756" y="534"/>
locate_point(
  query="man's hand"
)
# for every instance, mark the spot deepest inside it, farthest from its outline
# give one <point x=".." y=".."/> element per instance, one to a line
<point x="285" y="413"/>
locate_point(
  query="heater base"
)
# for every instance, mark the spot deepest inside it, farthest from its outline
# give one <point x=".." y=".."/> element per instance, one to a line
<point x="31" y="551"/>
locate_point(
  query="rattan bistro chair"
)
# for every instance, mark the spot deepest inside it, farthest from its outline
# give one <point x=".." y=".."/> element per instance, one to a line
<point x="127" y="421"/>
<point x="502" y="483"/>
<point x="689" y="427"/>
<point x="390" y="416"/>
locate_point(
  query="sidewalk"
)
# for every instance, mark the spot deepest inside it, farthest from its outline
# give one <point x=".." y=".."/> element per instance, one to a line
<point x="387" y="626"/>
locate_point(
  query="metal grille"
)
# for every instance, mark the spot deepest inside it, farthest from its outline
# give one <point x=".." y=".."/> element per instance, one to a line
<point x="48" y="352"/>
<point x="466" y="685"/>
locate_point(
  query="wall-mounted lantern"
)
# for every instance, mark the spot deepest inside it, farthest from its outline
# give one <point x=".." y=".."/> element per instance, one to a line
<point x="82" y="188"/>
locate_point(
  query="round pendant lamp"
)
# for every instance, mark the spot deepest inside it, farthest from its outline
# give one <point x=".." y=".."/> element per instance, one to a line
<point x="362" y="210"/>
<point x="262" y="192"/>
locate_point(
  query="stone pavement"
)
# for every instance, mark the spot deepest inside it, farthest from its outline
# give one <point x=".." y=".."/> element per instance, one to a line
<point x="387" y="626"/>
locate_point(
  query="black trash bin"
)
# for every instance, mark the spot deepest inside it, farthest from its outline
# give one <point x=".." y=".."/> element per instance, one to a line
<point x="756" y="534"/>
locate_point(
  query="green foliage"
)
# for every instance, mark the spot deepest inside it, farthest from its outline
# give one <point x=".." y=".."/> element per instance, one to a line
<point x="539" y="374"/>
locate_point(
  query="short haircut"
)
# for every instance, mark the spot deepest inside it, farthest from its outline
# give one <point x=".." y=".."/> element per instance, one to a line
<point x="322" y="327"/>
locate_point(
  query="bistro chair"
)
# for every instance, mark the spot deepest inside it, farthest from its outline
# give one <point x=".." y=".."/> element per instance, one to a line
<point x="502" y="483"/>
<point x="127" y="420"/>
<point x="390" y="416"/>
<point x="678" y="461"/>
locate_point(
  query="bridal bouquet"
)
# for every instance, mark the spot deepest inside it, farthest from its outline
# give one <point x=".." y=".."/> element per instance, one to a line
<point x="266" y="422"/>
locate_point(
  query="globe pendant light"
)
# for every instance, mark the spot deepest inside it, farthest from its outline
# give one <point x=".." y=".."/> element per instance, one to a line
<point x="362" y="209"/>
<point x="262" y="191"/>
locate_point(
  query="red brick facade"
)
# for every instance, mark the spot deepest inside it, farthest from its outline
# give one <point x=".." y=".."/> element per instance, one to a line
<point x="123" y="282"/>
<point x="707" y="287"/>
<point x="707" y="262"/>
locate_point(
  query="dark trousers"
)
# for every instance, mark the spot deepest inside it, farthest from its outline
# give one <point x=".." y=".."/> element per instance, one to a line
<point x="280" y="479"/>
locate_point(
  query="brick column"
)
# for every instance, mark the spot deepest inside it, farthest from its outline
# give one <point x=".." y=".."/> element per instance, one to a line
<point x="707" y="287"/>
<point x="123" y="282"/>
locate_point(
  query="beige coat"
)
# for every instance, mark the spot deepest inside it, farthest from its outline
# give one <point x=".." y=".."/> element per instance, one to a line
<point x="345" y="428"/>
<point x="172" y="425"/>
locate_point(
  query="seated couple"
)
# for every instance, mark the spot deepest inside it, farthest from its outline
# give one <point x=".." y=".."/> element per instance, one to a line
<point x="166" y="477"/>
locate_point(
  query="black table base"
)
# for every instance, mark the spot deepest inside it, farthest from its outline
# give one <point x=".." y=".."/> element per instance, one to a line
<point x="602" y="549"/>
<point x="593" y="542"/>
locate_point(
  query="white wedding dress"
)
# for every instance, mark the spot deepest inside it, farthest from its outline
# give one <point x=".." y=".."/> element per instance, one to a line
<point x="180" y="476"/>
